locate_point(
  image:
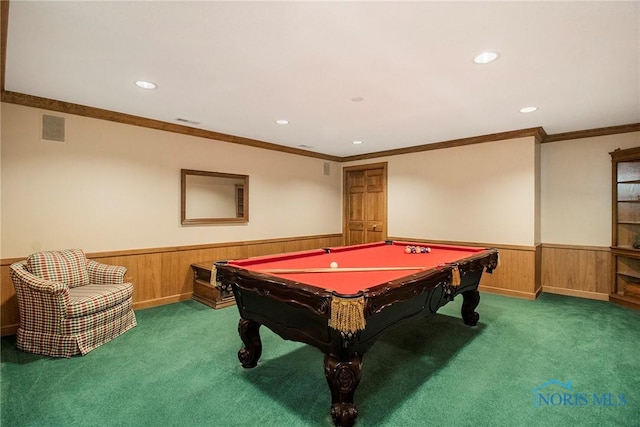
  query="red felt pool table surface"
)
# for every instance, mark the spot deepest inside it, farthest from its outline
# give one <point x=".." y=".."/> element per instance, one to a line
<point x="370" y="255"/>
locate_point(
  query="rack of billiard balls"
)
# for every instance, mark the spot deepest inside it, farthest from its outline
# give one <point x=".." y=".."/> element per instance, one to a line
<point x="417" y="249"/>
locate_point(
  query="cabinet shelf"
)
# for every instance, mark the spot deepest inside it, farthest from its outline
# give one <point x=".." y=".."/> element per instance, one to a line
<point x="625" y="224"/>
<point x="624" y="250"/>
<point x="626" y="301"/>
<point x="630" y="277"/>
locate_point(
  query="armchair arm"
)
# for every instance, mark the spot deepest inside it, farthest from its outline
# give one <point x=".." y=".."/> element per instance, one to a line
<point x="42" y="303"/>
<point x="105" y="274"/>
<point x="21" y="277"/>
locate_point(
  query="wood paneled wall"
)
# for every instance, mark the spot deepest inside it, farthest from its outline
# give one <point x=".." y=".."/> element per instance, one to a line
<point x="163" y="275"/>
<point x="517" y="274"/>
<point x="580" y="271"/>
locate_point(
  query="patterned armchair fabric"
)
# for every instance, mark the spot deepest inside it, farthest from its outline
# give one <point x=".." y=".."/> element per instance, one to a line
<point x="69" y="304"/>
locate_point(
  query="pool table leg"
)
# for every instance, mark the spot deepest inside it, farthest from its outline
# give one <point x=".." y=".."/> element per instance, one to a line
<point x="470" y="301"/>
<point x="250" y="334"/>
<point x="343" y="378"/>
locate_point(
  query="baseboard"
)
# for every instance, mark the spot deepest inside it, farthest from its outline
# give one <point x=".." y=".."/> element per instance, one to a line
<point x="576" y="293"/>
<point x="9" y="330"/>
<point x="162" y="301"/>
<point x="510" y="293"/>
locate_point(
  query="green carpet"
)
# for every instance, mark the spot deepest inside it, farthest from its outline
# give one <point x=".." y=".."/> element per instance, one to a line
<point x="179" y="367"/>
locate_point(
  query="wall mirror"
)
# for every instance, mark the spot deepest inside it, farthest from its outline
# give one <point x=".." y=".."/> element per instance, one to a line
<point x="213" y="197"/>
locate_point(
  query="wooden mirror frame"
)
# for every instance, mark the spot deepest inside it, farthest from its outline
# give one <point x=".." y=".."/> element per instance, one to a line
<point x="241" y="198"/>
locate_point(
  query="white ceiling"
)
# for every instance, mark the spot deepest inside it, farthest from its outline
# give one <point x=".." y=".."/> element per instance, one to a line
<point x="236" y="67"/>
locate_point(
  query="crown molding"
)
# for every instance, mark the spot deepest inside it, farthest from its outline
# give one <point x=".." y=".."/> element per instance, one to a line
<point x="98" y="113"/>
<point x="537" y="132"/>
<point x="590" y="133"/>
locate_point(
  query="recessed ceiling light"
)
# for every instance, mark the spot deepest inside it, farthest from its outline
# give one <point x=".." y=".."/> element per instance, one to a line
<point x="485" y="57"/>
<point x="528" y="109"/>
<point x="282" y="122"/>
<point x="146" y="85"/>
<point x="357" y="142"/>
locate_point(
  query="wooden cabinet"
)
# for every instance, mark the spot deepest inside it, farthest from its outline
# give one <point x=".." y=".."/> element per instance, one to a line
<point x="625" y="232"/>
<point x="205" y="291"/>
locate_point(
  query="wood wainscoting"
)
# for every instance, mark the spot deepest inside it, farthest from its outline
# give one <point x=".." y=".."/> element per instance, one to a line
<point x="518" y="271"/>
<point x="578" y="271"/>
<point x="163" y="275"/>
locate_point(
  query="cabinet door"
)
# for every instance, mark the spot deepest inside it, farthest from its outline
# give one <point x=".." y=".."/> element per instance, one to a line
<point x="625" y="231"/>
<point x="627" y="204"/>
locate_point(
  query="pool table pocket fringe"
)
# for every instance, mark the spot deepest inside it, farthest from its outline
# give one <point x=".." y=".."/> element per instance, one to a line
<point x="347" y="314"/>
<point x="455" y="276"/>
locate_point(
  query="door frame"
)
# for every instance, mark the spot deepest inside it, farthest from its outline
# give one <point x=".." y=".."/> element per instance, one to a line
<point x="345" y="195"/>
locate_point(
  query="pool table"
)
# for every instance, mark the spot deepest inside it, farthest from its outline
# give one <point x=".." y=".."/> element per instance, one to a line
<point x="342" y="309"/>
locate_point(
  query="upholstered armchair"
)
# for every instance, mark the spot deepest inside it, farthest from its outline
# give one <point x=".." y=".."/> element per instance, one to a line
<point x="69" y="304"/>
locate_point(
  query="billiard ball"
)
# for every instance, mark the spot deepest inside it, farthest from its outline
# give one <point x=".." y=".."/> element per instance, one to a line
<point x="333" y="265"/>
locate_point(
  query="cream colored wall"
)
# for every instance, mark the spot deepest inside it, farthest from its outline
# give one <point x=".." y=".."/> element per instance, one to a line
<point x="576" y="189"/>
<point x="474" y="193"/>
<point x="116" y="187"/>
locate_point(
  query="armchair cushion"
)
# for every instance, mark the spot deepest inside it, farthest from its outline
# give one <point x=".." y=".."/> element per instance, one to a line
<point x="67" y="266"/>
<point x="90" y="299"/>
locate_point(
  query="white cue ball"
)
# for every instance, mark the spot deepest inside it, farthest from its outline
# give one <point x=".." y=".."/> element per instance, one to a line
<point x="333" y="265"/>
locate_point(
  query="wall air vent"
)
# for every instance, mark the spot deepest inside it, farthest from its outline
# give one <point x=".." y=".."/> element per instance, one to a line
<point x="52" y="128"/>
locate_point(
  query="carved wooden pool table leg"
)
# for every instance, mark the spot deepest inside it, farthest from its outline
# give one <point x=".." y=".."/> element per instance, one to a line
<point x="250" y="334"/>
<point x="470" y="301"/>
<point x="343" y="378"/>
